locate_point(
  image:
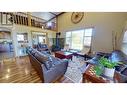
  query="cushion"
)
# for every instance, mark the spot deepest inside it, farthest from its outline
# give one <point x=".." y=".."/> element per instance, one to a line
<point x="50" y="59"/>
<point x="124" y="72"/>
<point x="48" y="64"/>
<point x="44" y="52"/>
<point x="41" y="57"/>
<point x="33" y="51"/>
<point x="118" y="56"/>
<point x="55" y="60"/>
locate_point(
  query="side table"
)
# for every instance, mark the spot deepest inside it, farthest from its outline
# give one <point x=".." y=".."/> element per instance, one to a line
<point x="90" y="76"/>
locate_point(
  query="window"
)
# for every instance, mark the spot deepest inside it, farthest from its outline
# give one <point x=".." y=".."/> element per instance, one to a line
<point x="68" y="38"/>
<point x="78" y="38"/>
<point x="87" y="37"/>
<point x="41" y="39"/>
<point x="125" y="37"/>
<point x="124" y="43"/>
<point x="21" y="37"/>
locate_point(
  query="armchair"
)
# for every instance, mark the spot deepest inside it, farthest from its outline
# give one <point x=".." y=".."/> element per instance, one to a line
<point x="85" y="52"/>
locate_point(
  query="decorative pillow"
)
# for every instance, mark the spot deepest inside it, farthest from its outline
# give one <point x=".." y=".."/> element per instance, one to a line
<point x="44" y="52"/>
<point x="33" y="52"/>
<point x="41" y="57"/>
<point x="50" y="59"/>
<point x="48" y="64"/>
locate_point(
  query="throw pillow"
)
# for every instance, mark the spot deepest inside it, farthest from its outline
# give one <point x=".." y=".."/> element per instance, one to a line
<point x="41" y="57"/>
<point x="50" y="59"/>
<point x="33" y="52"/>
<point x="48" y="64"/>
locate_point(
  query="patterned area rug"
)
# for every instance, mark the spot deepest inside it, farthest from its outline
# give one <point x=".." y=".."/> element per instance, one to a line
<point x="74" y="72"/>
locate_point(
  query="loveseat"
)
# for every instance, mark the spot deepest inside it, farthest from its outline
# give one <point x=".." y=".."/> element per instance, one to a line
<point x="48" y="67"/>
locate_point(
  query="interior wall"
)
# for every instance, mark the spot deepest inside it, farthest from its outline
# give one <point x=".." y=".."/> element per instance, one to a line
<point x="104" y="23"/>
<point x="24" y="29"/>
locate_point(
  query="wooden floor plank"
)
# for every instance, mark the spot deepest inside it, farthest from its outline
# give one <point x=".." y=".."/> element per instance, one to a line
<point x="19" y="70"/>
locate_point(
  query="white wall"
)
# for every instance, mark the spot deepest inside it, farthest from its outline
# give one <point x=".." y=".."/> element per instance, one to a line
<point x="103" y="23"/>
<point x="24" y="29"/>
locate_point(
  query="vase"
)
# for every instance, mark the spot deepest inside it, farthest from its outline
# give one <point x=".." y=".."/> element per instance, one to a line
<point x="109" y="72"/>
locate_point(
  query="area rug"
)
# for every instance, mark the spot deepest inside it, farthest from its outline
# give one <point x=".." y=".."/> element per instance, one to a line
<point x="74" y="72"/>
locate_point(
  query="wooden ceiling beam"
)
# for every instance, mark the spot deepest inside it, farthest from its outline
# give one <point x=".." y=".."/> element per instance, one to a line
<point x="52" y="13"/>
<point x="55" y="17"/>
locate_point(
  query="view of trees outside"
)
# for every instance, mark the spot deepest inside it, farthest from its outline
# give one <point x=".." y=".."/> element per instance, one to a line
<point x="88" y="37"/>
<point x="77" y="39"/>
<point x="68" y="38"/>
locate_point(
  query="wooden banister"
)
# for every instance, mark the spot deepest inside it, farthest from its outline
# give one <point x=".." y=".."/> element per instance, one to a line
<point x="27" y="19"/>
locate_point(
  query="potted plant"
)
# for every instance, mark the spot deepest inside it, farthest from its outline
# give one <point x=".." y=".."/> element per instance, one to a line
<point x="106" y="67"/>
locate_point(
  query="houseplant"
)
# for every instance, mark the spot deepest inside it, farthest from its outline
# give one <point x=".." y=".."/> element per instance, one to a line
<point x="106" y="67"/>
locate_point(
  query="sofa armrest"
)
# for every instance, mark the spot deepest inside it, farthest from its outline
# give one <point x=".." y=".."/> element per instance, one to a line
<point x="55" y="72"/>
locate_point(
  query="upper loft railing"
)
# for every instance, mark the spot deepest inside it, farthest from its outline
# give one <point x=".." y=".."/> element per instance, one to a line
<point x="10" y="18"/>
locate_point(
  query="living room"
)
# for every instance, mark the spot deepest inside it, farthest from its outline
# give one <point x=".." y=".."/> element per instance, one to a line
<point x="63" y="47"/>
<point x="77" y="39"/>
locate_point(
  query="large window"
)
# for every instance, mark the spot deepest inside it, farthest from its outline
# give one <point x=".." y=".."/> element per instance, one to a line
<point x="79" y="38"/>
<point x="88" y="37"/>
<point x="68" y="38"/>
<point x="124" y="44"/>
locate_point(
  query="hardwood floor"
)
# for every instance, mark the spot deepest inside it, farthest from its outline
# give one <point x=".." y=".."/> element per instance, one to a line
<point x="19" y="70"/>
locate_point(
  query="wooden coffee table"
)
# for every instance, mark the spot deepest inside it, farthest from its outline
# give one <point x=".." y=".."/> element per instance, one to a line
<point x="90" y="76"/>
<point x="63" y="55"/>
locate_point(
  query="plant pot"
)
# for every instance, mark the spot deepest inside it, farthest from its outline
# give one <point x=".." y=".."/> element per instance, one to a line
<point x="109" y="72"/>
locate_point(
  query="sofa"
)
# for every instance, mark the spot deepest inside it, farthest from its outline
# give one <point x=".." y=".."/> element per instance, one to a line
<point x="114" y="56"/>
<point x="48" y="67"/>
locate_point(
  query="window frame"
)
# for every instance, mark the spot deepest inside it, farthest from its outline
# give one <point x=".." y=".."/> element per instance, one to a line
<point x="124" y="37"/>
<point x="83" y="36"/>
<point x="88" y="36"/>
<point x="69" y="37"/>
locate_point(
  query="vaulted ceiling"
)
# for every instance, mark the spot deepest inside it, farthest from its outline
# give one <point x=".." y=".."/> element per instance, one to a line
<point x="46" y="15"/>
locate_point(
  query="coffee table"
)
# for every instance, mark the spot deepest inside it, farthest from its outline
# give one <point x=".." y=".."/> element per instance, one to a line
<point x="90" y="76"/>
<point x="63" y="55"/>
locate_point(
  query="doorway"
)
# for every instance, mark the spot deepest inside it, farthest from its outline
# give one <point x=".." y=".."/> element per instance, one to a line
<point x="6" y="45"/>
<point x="38" y="37"/>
